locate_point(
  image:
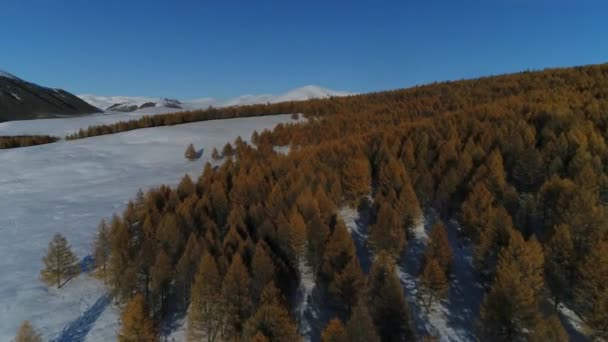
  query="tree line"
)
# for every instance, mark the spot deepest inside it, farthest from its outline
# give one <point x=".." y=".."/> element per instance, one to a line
<point x="25" y="140"/>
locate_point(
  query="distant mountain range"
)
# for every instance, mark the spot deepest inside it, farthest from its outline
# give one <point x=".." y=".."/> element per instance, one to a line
<point x="20" y="100"/>
<point x="164" y="105"/>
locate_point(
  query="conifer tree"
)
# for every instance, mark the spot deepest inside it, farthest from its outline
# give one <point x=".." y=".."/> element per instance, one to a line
<point x="120" y="272"/>
<point x="510" y="310"/>
<point x="559" y="264"/>
<point x="438" y="248"/>
<point x="101" y="250"/>
<point x="204" y="315"/>
<point x="387" y="234"/>
<point x="60" y="264"/>
<point x="318" y="233"/>
<point x="591" y="294"/>
<point x="297" y="235"/>
<point x="187" y="266"/>
<point x="360" y="327"/>
<point x="334" y="332"/>
<point x="386" y="301"/>
<point x="227" y="151"/>
<point x="215" y="155"/>
<point x="190" y="153"/>
<point x="272" y="319"/>
<point x="27" y="333"/>
<point x="433" y="283"/>
<point x="356" y="179"/>
<point x="236" y="298"/>
<point x="262" y="269"/>
<point x="341" y="269"/>
<point x="136" y="322"/>
<point x="259" y="337"/>
<point x="549" y="329"/>
<point x="161" y="279"/>
<point x="477" y="210"/>
<point x="186" y="187"/>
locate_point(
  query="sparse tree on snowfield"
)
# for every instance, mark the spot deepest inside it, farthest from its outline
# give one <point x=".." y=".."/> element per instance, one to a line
<point x="27" y="333"/>
<point x="215" y="154"/>
<point x="190" y="153"/>
<point x="60" y="264"/>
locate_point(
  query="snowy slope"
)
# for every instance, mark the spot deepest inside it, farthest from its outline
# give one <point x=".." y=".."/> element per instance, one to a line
<point x="163" y="105"/>
<point x="68" y="187"/>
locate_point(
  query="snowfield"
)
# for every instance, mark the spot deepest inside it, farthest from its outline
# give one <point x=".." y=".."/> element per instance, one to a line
<point x="68" y="187"/>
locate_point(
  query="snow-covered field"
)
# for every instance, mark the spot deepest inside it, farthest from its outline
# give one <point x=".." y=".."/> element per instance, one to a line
<point x="67" y="187"/>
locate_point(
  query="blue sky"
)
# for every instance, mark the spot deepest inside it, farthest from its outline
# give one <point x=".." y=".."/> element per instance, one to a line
<point x="189" y="49"/>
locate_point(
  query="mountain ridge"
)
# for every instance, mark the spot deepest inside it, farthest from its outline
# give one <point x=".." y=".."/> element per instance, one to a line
<point x="21" y="100"/>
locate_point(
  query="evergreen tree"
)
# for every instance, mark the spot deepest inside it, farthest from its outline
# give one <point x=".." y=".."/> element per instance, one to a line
<point x="236" y="298"/>
<point x="386" y="301"/>
<point x="272" y="319"/>
<point x="101" y="250"/>
<point x="360" y="327"/>
<point x="438" y="248"/>
<point x="477" y="210"/>
<point x="356" y="179"/>
<point x="215" y="155"/>
<point x="227" y="151"/>
<point x="549" y="329"/>
<point x="27" y="333"/>
<point x="387" y="234"/>
<point x="186" y="187"/>
<point x="341" y="269"/>
<point x="204" y="315"/>
<point x="187" y="266"/>
<point x="433" y="283"/>
<point x="559" y="264"/>
<point x="190" y="153"/>
<point x="161" y="280"/>
<point x="592" y="291"/>
<point x="60" y="264"/>
<point x="334" y="332"/>
<point x="297" y="235"/>
<point x="136" y="323"/>
<point x="510" y="310"/>
<point x="262" y="269"/>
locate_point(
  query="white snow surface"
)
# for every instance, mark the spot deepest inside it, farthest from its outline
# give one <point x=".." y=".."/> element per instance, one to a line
<point x="299" y="94"/>
<point x="68" y="187"/>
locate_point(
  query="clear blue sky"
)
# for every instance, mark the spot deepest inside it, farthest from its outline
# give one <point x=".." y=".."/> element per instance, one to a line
<point x="188" y="49"/>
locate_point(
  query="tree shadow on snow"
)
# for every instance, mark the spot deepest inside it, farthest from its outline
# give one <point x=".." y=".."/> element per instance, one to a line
<point x="78" y="329"/>
<point x="466" y="292"/>
<point x="362" y="221"/>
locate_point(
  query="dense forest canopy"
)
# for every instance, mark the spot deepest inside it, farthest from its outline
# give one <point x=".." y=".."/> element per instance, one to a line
<point x="519" y="161"/>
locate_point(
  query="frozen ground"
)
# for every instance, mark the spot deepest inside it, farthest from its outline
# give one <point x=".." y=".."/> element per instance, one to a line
<point x="68" y="187"/>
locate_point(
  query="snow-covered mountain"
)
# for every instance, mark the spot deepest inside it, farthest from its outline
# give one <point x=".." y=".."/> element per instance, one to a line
<point x="158" y="105"/>
<point x="21" y="100"/>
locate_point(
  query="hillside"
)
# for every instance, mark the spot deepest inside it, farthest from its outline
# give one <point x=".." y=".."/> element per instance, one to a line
<point x="21" y="100"/>
<point x="456" y="211"/>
